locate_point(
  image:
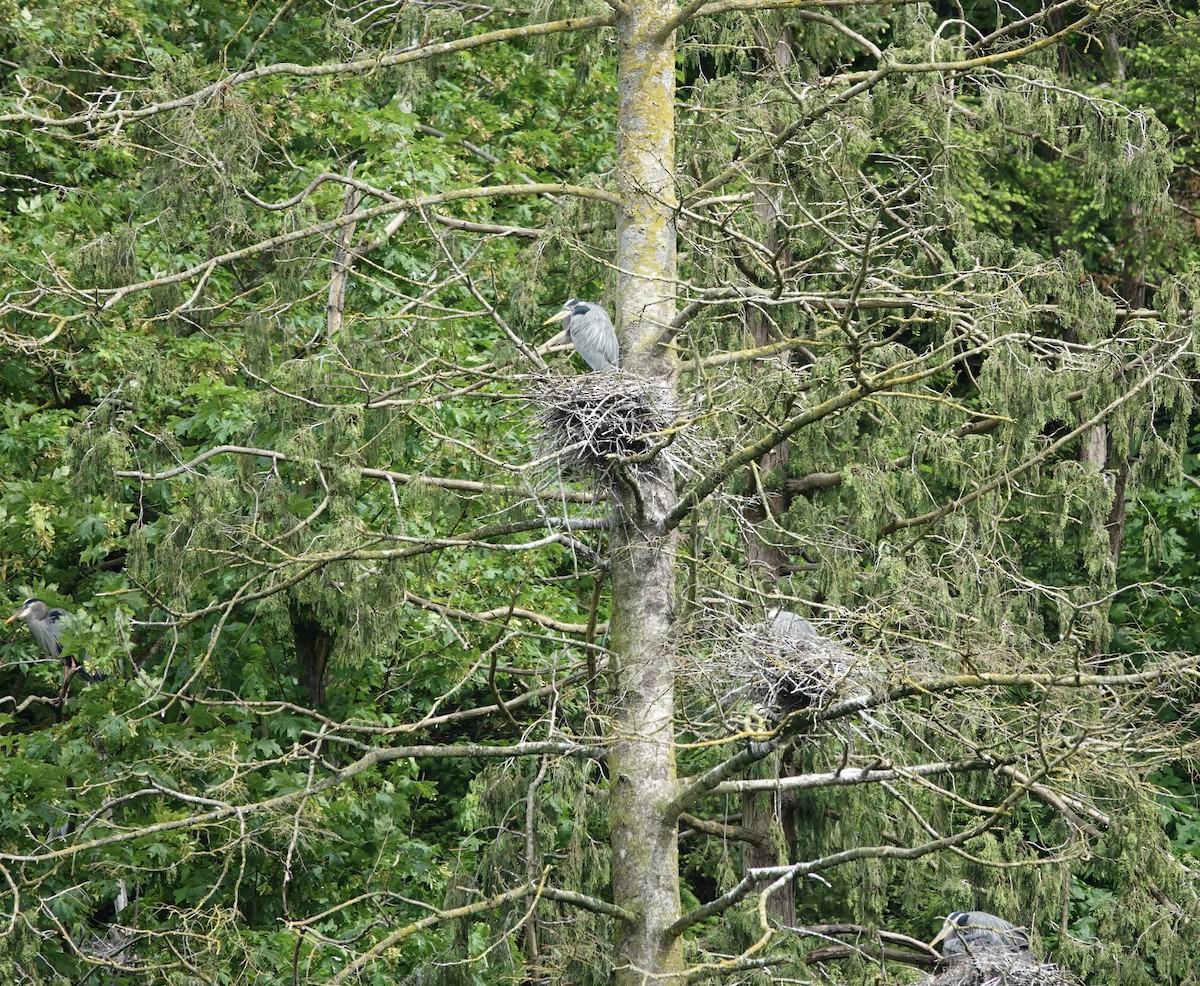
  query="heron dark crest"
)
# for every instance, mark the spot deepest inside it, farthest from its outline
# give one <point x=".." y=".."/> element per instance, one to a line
<point x="969" y="933"/>
<point x="44" y="623"/>
<point x="591" y="333"/>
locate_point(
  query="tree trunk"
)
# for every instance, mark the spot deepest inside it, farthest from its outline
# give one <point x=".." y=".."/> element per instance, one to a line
<point x="765" y="814"/>
<point x="766" y="559"/>
<point x="761" y="813"/>
<point x="313" y="644"/>
<point x="642" y="759"/>
<point x="1094" y="446"/>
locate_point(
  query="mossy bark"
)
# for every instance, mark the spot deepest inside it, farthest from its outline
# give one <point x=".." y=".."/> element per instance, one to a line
<point x="642" y="760"/>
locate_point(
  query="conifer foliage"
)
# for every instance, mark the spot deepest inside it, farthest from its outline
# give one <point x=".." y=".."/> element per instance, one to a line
<point x="429" y="660"/>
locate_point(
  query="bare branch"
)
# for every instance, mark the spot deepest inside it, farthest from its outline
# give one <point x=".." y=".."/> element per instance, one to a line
<point x="121" y="117"/>
<point x="462" y="485"/>
<point x="853" y="776"/>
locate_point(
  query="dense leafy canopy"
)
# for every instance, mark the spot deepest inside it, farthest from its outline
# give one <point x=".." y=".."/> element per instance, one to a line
<point x="274" y="433"/>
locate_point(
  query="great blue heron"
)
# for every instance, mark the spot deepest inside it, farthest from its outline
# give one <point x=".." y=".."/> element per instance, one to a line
<point x="44" y="624"/>
<point x="591" y="333"/>
<point x="788" y="628"/>
<point x="969" y="933"/>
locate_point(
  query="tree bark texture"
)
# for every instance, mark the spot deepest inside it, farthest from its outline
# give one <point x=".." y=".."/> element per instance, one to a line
<point x="765" y="558"/>
<point x="762" y="812"/>
<point x="313" y="645"/>
<point x="642" y="758"/>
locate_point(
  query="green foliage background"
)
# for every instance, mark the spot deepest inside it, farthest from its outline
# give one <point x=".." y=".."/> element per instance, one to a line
<point x="188" y="590"/>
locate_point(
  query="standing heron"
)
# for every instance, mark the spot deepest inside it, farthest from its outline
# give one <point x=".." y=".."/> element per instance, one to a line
<point x="44" y="624"/>
<point x="591" y="333"/>
<point x="969" y="933"/>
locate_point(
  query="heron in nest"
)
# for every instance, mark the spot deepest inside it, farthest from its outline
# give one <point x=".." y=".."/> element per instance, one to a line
<point x="966" y="934"/>
<point x="590" y="331"/>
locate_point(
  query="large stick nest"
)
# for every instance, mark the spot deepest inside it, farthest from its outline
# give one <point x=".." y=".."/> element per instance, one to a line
<point x="597" y="423"/>
<point x="783" y="664"/>
<point x="1000" y="967"/>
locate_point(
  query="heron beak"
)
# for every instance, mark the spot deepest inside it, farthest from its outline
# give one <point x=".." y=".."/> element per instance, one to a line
<point x="557" y="316"/>
<point x="16" y="616"/>
<point x="946" y="929"/>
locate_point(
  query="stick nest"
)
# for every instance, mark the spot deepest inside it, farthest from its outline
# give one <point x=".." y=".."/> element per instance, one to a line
<point x="1000" y="967"/>
<point x="783" y="665"/>
<point x="597" y="421"/>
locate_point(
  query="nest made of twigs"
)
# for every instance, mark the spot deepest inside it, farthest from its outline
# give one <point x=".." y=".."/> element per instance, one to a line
<point x="112" y="946"/>
<point x="783" y="664"/>
<point x="597" y="422"/>
<point x="1000" y="967"/>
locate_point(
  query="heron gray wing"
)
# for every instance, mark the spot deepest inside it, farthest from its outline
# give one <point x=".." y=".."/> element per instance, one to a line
<point x="790" y="626"/>
<point x="966" y="932"/>
<point x="45" y="631"/>
<point x="593" y="336"/>
<point x="610" y="351"/>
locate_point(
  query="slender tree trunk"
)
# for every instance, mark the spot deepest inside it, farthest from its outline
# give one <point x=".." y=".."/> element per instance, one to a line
<point x="768" y="561"/>
<point x="313" y="645"/>
<point x="1095" y="445"/>
<point x="760" y="814"/>
<point x="770" y="817"/>
<point x="1133" y="290"/>
<point x="642" y="759"/>
<point x="343" y="259"/>
<point x="765" y="559"/>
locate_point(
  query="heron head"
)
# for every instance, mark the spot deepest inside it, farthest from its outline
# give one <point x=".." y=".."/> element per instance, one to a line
<point x="558" y="316"/>
<point x="572" y="307"/>
<point x="32" y="606"/>
<point x="951" y="924"/>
